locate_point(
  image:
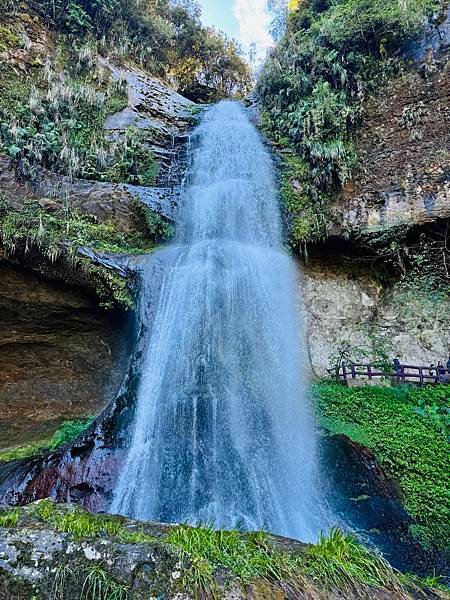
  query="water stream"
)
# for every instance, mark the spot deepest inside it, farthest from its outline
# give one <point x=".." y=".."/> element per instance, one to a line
<point x="222" y="432"/>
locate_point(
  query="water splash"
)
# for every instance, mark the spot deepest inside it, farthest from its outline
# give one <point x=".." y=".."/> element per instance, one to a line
<point x="222" y="432"/>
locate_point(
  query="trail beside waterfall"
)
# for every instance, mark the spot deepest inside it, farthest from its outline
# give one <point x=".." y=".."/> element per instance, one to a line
<point x="222" y="432"/>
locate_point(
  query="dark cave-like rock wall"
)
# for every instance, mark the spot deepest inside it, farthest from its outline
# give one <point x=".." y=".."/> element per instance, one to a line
<point x="60" y="356"/>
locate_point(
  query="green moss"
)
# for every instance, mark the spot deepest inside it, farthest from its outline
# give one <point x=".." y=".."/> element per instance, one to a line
<point x="68" y="432"/>
<point x="64" y="231"/>
<point x="14" y="89"/>
<point x="134" y="161"/>
<point x="306" y="218"/>
<point x="110" y="288"/>
<point x="8" y="38"/>
<point x="408" y="443"/>
<point x="246" y="556"/>
<point x="84" y="525"/>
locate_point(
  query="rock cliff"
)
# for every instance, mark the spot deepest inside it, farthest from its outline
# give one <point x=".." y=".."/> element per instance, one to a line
<point x="384" y="291"/>
<point x="403" y="145"/>
<point x="346" y="305"/>
<point x="62" y="357"/>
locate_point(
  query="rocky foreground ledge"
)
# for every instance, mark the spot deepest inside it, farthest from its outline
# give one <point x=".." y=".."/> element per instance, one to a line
<point x="51" y="551"/>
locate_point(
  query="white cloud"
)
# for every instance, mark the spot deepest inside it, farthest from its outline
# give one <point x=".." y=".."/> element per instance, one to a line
<point x="254" y="23"/>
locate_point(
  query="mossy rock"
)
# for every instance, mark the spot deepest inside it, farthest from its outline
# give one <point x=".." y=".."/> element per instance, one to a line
<point x="50" y="547"/>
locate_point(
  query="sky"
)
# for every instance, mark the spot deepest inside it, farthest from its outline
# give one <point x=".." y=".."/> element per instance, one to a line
<point x="246" y="20"/>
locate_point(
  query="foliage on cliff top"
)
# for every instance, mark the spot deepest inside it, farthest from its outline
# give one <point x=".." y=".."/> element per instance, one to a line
<point x="164" y="37"/>
<point x="407" y="429"/>
<point x="331" y="56"/>
<point x="67" y="432"/>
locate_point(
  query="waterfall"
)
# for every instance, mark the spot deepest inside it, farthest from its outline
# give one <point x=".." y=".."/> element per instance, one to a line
<point x="222" y="432"/>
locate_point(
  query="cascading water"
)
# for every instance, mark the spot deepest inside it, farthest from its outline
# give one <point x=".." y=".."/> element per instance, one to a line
<point x="222" y="432"/>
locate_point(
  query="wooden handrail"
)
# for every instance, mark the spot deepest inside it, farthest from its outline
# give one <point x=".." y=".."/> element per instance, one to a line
<point x="402" y="373"/>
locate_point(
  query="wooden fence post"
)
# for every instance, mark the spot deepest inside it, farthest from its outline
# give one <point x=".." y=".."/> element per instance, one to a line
<point x="421" y="376"/>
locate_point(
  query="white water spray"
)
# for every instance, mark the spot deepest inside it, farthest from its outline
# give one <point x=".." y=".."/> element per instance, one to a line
<point x="222" y="432"/>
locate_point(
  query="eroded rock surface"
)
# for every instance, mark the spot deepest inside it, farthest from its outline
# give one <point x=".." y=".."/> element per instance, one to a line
<point x="86" y="471"/>
<point x="40" y="560"/>
<point x="403" y="146"/>
<point x="163" y="113"/>
<point x="60" y="356"/>
<point x="344" y="303"/>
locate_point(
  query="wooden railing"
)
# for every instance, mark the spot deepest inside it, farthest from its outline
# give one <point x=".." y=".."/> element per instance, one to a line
<point x="402" y="373"/>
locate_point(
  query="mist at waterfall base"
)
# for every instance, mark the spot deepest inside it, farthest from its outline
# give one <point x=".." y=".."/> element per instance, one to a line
<point x="222" y="432"/>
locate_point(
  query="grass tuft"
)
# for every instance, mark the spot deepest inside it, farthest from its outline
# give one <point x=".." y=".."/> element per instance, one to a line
<point x="81" y="524"/>
<point x="339" y="561"/>
<point x="99" y="585"/>
<point x="9" y="517"/>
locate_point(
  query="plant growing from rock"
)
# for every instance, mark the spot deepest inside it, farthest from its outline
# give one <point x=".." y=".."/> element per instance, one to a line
<point x="68" y="432"/>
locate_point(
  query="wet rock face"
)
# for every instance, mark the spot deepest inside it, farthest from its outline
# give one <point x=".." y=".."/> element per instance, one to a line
<point x="86" y="471"/>
<point x="163" y="113"/>
<point x="404" y="160"/>
<point x="108" y="202"/>
<point x="358" y="489"/>
<point x="60" y="357"/>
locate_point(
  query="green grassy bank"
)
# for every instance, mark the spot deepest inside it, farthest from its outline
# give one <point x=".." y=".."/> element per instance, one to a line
<point x="407" y="429"/>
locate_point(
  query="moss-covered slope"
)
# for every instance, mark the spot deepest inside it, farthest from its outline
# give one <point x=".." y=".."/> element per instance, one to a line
<point x="407" y="428"/>
<point x="314" y="87"/>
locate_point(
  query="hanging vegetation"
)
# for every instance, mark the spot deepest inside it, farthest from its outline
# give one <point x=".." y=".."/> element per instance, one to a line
<point x="333" y="54"/>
